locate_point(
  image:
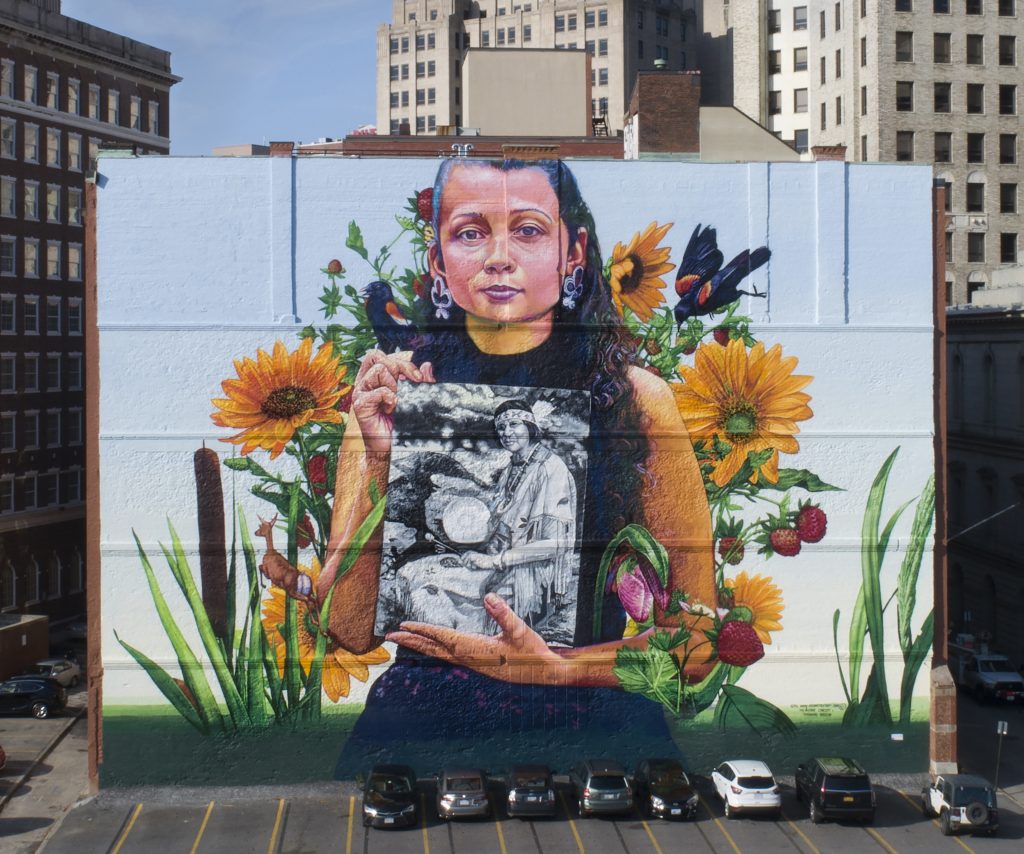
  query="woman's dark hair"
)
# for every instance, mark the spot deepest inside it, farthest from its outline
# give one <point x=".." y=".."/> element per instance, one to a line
<point x="519" y="406"/>
<point x="598" y="348"/>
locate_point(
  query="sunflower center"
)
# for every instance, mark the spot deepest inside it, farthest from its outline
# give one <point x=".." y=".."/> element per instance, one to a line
<point x="739" y="421"/>
<point x="632" y="280"/>
<point x="288" y="401"/>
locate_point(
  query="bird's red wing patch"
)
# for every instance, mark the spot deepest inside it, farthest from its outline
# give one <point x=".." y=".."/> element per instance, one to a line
<point x="705" y="293"/>
<point x="684" y="283"/>
<point x="396" y="313"/>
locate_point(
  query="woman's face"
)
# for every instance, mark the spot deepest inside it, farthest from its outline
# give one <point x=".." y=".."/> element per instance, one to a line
<point x="513" y="433"/>
<point x="503" y="247"/>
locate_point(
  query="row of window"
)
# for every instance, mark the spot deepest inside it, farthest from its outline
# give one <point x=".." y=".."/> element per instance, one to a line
<point x="942" y="98"/>
<point x="942" y="48"/>
<point x="46" y="489"/>
<point x="20" y="431"/>
<point x="424" y="124"/>
<point x="47" y="580"/>
<point x="54" y="154"/>
<point x="38" y="201"/>
<point x="423" y="69"/>
<point x="599" y="106"/>
<point x="1006" y="8"/>
<point x="976" y="144"/>
<point x="976" y="247"/>
<point x="30" y="321"/>
<point x="975" y="195"/>
<point x="63" y="372"/>
<point x="30" y="258"/>
<point x="424" y="41"/>
<point x="72" y="99"/>
<point x="423" y="97"/>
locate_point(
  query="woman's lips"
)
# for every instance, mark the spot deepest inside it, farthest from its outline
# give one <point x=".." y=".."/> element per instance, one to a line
<point x="501" y="293"/>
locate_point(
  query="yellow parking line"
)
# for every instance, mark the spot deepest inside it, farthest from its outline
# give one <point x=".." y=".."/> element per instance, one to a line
<point x="654" y="841"/>
<point x="721" y="827"/>
<point x="501" y="836"/>
<point x="878" y="838"/>
<point x="803" y="835"/>
<point x="127" y="829"/>
<point x="572" y="824"/>
<point x="202" y="829"/>
<point x="277" y="826"/>
<point x="935" y="821"/>
<point x="423" y="815"/>
<point x="351" y="815"/>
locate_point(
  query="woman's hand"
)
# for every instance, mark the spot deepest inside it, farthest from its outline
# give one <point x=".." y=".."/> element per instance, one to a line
<point x="481" y="561"/>
<point x="517" y="654"/>
<point x="375" y="394"/>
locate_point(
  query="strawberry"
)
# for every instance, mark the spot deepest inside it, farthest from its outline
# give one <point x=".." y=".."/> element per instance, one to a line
<point x="652" y="370"/>
<point x="689" y="351"/>
<point x="334" y="267"/>
<point x="738" y="644"/>
<point x="811" y="522"/>
<point x="304" y="532"/>
<point x="731" y="544"/>
<point x="425" y="204"/>
<point x="652" y="347"/>
<point x="721" y="335"/>
<point x="785" y="541"/>
<point x="316" y="469"/>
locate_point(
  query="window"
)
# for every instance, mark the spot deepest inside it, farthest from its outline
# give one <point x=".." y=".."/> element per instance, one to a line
<point x="8" y="203"/>
<point x="975" y="50"/>
<point x="511" y="35"/>
<point x="821" y="70"/>
<point x="775" y="61"/>
<point x="53" y="316"/>
<point x="485" y="39"/>
<point x="75" y="262"/>
<point x="942" y="48"/>
<point x="53" y="203"/>
<point x="1007" y="248"/>
<point x="904" y="6"/>
<point x="421" y="69"/>
<point x="774" y="103"/>
<point x="1007" y="198"/>
<point x="53" y="567"/>
<point x="405" y="71"/>
<point x="839" y="17"/>
<point x="8" y="138"/>
<point x="904" y="46"/>
<point x="53" y="371"/>
<point x="640" y="19"/>
<point x="863" y="51"/>
<point x="28" y="501"/>
<point x="135" y="113"/>
<point x="661" y="25"/>
<point x="528" y="33"/>
<point x="30" y="315"/>
<point x="560" y="23"/>
<point x="421" y="124"/>
<point x="113" y="106"/>
<point x="53" y="259"/>
<point x="74" y="427"/>
<point x="799" y="17"/>
<point x="30" y="372"/>
<point x="52" y="89"/>
<point x="640" y="49"/>
<point x="821" y="24"/>
<point x="824" y="116"/>
<point x="940" y="7"/>
<point x="74" y="152"/>
<point x="75" y="359"/>
<point x="7" y="78"/>
<point x="405" y="44"/>
<point x="31" y="195"/>
<point x="394" y="46"/>
<point x="30" y="90"/>
<point x="602" y="17"/>
<point x="74" y="97"/>
<point x="1007" y="99"/>
<point x="588" y="18"/>
<point x="774" y="20"/>
<point x="602" y="76"/>
<point x="975" y="97"/>
<point x="8" y="383"/>
<point x="30" y="251"/>
<point x="501" y="35"/>
<point x="975" y="197"/>
<point x="7" y="252"/>
<point x="432" y="95"/>
<point x="8" y="306"/>
<point x="1007" y="148"/>
<point x="74" y="316"/>
<point x="394" y="72"/>
<point x="431" y="68"/>
<point x="571" y="23"/>
<point x="943" y="97"/>
<point x="1006" y="8"/>
<point x="976" y="247"/>
<point x="839" y="110"/>
<point x="943" y="147"/>
<point x="602" y="47"/>
<point x="975" y="148"/>
<point x="8" y="434"/>
<point x="394" y="100"/>
<point x="405" y="98"/>
<point x="799" y="100"/>
<point x="94" y="101"/>
<point x="904" y="145"/>
<point x="31" y="143"/>
<point x="863" y="100"/>
<point x="975" y="7"/>
<point x="421" y="41"/>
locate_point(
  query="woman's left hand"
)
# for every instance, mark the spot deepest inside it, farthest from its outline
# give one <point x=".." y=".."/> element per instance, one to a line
<point x="480" y="560"/>
<point x="517" y="654"/>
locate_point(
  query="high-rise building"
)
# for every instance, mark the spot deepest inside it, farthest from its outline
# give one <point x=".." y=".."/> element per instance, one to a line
<point x="66" y="90"/>
<point x="420" y="53"/>
<point x="885" y="79"/>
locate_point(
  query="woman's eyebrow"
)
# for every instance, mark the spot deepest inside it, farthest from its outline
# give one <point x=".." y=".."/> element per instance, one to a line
<point x="544" y="214"/>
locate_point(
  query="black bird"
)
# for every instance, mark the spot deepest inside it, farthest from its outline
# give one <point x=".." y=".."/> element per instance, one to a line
<point x="702" y="287"/>
<point x="393" y="329"/>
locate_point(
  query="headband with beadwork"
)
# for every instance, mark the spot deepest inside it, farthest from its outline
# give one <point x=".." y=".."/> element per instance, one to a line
<point x="514" y="415"/>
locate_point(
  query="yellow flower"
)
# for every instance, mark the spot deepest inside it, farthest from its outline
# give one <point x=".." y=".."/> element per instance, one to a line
<point x="428" y="233"/>
<point x="764" y="600"/>
<point x="750" y="400"/>
<point x="339" y="665"/>
<point x="275" y="395"/>
<point x="635" y="271"/>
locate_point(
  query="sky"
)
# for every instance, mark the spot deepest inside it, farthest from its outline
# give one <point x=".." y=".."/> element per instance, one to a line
<point x="255" y="70"/>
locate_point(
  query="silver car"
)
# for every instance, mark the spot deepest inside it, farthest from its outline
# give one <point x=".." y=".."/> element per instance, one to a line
<point x="462" y="793"/>
<point x="600" y="786"/>
<point x="66" y="672"/>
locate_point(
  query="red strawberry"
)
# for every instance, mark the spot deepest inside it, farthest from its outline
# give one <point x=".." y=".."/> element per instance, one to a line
<point x="811" y="523"/>
<point x="334" y="267"/>
<point x="689" y="351"/>
<point x="738" y="644"/>
<point x="425" y="204"/>
<point x="785" y="541"/>
<point x="733" y="544"/>
<point x="721" y="335"/>
<point x="317" y="471"/>
<point x="304" y="532"/>
<point x="420" y="287"/>
<point x="652" y="370"/>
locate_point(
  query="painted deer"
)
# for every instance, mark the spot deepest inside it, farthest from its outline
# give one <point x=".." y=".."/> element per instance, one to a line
<point x="275" y="567"/>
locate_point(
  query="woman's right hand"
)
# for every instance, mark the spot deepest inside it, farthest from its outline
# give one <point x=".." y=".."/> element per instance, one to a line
<point x="375" y="394"/>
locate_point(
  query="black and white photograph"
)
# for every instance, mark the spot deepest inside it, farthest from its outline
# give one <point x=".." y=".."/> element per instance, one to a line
<point x="485" y="495"/>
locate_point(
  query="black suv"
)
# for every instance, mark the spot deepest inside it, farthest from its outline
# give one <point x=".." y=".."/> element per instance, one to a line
<point x="32" y="695"/>
<point x="663" y="789"/>
<point x="835" y="787"/>
<point x="389" y="797"/>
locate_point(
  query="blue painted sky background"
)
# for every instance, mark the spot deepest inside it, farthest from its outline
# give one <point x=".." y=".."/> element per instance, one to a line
<point x="255" y="70"/>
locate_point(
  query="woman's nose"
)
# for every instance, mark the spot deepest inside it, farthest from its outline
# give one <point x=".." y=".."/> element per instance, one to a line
<point x="498" y="260"/>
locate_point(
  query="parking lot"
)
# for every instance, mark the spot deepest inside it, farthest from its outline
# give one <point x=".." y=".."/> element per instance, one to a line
<point x="330" y="822"/>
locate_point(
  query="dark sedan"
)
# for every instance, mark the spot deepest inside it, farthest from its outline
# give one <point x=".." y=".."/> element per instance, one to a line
<point x="664" y="790"/>
<point x="32" y="695"/>
<point x="389" y="797"/>
<point x="531" y="791"/>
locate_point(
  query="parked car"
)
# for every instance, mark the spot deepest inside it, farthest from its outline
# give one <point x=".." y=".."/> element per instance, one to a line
<point x="531" y="791"/>
<point x="462" y="793"/>
<point x="835" y="787"/>
<point x="746" y="785"/>
<point x="34" y="695"/>
<point x="64" y="670"/>
<point x="600" y="786"/>
<point x="3" y="758"/>
<point x="989" y="677"/>
<point x="389" y="797"/>
<point x="663" y="789"/>
<point x="962" y="802"/>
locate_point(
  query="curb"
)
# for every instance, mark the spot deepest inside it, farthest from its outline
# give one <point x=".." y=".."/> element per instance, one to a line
<point x="39" y="759"/>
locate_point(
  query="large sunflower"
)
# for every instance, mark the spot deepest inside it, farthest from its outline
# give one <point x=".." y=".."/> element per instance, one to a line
<point x="339" y="665"/>
<point x="762" y="598"/>
<point x="750" y="400"/>
<point x="275" y="395"/>
<point x="635" y="270"/>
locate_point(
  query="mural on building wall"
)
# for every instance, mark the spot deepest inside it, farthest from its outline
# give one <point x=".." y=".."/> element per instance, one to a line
<point x="553" y="486"/>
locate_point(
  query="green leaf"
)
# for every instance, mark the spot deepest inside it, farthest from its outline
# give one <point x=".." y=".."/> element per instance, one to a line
<point x="168" y="687"/>
<point x="700" y="696"/>
<point x="248" y="464"/>
<point x="354" y="241"/>
<point x="858" y="631"/>
<point x="839" y="661"/>
<point x="910" y="569"/>
<point x="292" y="666"/>
<point x="799" y="479"/>
<point x="873" y="708"/>
<point x="737" y="705"/>
<point x="651" y="672"/>
<point x="280" y="501"/>
<point x="914" y="659"/>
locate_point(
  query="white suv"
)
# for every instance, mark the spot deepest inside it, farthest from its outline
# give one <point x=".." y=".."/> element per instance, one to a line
<point x="962" y="802"/>
<point x="746" y="785"/>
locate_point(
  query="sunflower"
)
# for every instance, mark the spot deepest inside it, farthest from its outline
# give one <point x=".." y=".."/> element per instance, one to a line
<point x="275" y="395"/>
<point x="635" y="270"/>
<point x="762" y="598"/>
<point x="750" y="400"/>
<point x="339" y="665"/>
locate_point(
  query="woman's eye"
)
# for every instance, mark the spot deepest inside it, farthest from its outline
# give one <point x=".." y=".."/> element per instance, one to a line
<point x="530" y="230"/>
<point x="470" y="234"/>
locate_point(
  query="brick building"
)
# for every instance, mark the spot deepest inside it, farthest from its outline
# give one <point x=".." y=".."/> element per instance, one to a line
<point x="66" y="90"/>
